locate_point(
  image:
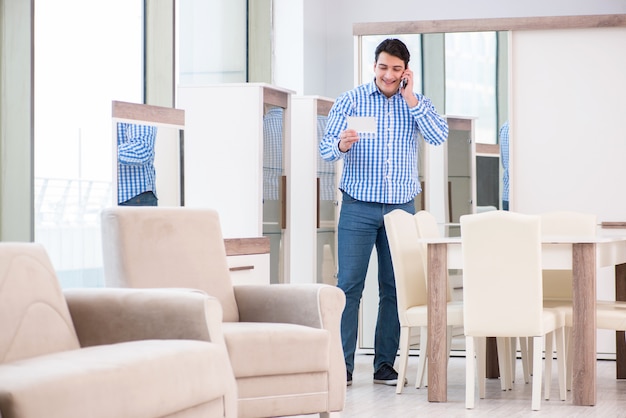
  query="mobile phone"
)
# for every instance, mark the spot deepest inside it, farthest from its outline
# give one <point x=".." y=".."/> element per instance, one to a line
<point x="403" y="83"/>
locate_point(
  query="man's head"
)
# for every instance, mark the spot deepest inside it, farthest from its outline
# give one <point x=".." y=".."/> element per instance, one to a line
<point x="391" y="59"/>
<point x="394" y="47"/>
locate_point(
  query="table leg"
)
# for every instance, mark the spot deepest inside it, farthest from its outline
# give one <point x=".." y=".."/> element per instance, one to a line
<point x="491" y="358"/>
<point x="620" y="336"/>
<point x="437" y="320"/>
<point x="584" y="324"/>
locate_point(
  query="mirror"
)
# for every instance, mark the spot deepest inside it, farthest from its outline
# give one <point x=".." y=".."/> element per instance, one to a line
<point x="434" y="29"/>
<point x="461" y="74"/>
<point x="274" y="186"/>
<point x="148" y="143"/>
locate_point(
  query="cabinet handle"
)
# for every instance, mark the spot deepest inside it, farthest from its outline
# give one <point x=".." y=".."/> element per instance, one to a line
<point x="239" y="268"/>
<point x="283" y="202"/>
<point x="317" y="214"/>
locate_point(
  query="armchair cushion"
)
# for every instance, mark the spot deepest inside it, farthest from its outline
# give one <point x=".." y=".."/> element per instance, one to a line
<point x="176" y="239"/>
<point x="118" y="380"/>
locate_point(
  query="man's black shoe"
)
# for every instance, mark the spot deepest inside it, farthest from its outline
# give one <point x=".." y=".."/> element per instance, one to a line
<point x="386" y="375"/>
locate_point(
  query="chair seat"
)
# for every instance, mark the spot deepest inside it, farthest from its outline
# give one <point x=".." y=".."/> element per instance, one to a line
<point x="266" y="349"/>
<point x="609" y="314"/>
<point x="112" y="380"/>
<point x="417" y="316"/>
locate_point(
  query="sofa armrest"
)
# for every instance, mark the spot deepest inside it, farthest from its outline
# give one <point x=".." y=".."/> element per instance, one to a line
<point x="303" y="304"/>
<point x="113" y="315"/>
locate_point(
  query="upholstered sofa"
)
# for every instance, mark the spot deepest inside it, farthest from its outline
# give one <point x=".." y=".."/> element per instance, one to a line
<point x="103" y="353"/>
<point x="283" y="340"/>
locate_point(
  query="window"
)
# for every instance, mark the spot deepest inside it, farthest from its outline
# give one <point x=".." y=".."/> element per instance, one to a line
<point x="471" y="80"/>
<point x="87" y="53"/>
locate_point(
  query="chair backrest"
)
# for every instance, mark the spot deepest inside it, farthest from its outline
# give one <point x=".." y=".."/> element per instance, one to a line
<point x="34" y="317"/>
<point x="502" y="293"/>
<point x="557" y="284"/>
<point x="167" y="247"/>
<point x="427" y="227"/>
<point x="407" y="263"/>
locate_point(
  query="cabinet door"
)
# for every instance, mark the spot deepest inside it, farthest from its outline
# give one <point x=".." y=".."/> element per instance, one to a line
<point x="274" y="187"/>
<point x="326" y="210"/>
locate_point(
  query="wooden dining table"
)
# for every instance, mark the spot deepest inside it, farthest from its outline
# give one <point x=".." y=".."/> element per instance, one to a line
<point x="583" y="256"/>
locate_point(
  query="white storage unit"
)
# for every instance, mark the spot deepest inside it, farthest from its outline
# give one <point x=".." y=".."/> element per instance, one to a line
<point x="233" y="163"/>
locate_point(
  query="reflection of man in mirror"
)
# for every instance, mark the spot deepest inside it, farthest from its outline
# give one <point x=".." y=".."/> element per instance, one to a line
<point x="504" y="158"/>
<point x="136" y="185"/>
<point x="272" y="152"/>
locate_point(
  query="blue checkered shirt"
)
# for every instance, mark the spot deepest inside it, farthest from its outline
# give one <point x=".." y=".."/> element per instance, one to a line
<point x="135" y="168"/>
<point x="382" y="167"/>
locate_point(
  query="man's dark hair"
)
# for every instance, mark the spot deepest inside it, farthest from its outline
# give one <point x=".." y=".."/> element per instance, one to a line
<point x="394" y="47"/>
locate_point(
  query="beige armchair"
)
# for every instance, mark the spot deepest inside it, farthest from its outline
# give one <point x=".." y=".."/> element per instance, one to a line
<point x="103" y="353"/>
<point x="283" y="340"/>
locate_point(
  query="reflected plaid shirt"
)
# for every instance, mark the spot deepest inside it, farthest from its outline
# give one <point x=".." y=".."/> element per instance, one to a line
<point x="135" y="168"/>
<point x="382" y="167"/>
<point x="504" y="157"/>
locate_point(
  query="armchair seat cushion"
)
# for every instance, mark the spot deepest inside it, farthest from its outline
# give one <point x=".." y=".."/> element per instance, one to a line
<point x="266" y="349"/>
<point x="113" y="380"/>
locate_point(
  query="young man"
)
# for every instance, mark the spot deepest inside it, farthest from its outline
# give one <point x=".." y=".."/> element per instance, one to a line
<point x="379" y="175"/>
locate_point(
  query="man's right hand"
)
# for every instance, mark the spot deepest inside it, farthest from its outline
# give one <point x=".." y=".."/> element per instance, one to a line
<point x="346" y="139"/>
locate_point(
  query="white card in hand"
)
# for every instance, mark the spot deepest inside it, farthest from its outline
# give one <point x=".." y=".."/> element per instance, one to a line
<point x="362" y="124"/>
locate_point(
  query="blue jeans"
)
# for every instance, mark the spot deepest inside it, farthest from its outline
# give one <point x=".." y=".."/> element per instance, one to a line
<point x="361" y="226"/>
<point x="144" y="199"/>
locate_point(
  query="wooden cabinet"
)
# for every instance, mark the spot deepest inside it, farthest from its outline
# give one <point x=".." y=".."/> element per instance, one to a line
<point x="248" y="260"/>
<point x="236" y="140"/>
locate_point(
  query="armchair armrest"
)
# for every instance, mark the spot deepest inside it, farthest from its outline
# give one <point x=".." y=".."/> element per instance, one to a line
<point x="303" y="304"/>
<point x="113" y="315"/>
<point x="314" y="305"/>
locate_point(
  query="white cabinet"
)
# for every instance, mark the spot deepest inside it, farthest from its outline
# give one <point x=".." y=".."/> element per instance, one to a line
<point x="313" y="195"/>
<point x="236" y="139"/>
<point x="248" y="260"/>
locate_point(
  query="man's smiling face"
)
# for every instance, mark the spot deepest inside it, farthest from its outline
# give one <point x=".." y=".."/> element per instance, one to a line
<point x="388" y="71"/>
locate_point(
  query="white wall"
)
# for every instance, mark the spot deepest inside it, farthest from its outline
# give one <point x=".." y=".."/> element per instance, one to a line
<point x="329" y="66"/>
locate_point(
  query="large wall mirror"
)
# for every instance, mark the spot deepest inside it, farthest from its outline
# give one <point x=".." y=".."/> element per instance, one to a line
<point x="148" y="142"/>
<point x="466" y="72"/>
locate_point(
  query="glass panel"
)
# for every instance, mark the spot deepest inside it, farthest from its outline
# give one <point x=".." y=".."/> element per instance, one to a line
<point x="274" y="187"/>
<point x="327" y="177"/>
<point x="148" y="160"/>
<point x="81" y="66"/>
<point x="368" y="48"/>
<point x="212" y="41"/>
<point x="471" y="81"/>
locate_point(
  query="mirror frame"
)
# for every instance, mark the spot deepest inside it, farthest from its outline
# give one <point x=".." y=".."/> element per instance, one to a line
<point x="489" y="24"/>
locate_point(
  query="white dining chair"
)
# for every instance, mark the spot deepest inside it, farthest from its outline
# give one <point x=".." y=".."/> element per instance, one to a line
<point x="411" y="290"/>
<point x="502" y="275"/>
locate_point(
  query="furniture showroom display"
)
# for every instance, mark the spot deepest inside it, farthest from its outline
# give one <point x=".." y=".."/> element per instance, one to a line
<point x="105" y="353"/>
<point x="283" y="340"/>
<point x="582" y="256"/>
